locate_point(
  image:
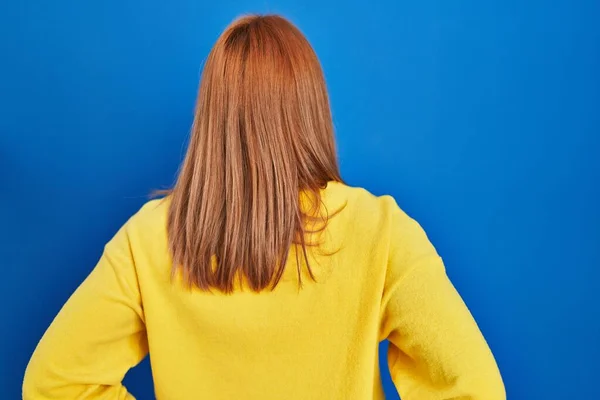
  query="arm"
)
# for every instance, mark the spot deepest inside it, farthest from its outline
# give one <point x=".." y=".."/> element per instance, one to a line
<point x="436" y="349"/>
<point x="98" y="335"/>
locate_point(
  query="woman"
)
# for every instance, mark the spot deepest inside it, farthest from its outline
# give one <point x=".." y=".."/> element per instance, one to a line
<point x="261" y="275"/>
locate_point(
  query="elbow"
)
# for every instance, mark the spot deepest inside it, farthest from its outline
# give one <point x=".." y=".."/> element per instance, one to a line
<point x="32" y="387"/>
<point x="487" y="385"/>
<point x="43" y="383"/>
<point x="39" y="382"/>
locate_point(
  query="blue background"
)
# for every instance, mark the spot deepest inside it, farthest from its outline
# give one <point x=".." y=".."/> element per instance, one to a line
<point x="481" y="117"/>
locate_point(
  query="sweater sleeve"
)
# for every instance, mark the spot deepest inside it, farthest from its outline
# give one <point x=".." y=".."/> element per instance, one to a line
<point x="97" y="336"/>
<point x="436" y="351"/>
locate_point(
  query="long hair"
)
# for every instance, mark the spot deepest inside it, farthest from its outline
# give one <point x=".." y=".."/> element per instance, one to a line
<point x="261" y="139"/>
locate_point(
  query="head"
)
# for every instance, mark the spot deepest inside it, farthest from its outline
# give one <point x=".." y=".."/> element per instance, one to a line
<point x="262" y="136"/>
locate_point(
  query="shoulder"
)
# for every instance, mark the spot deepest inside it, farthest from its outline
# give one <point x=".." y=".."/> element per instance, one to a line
<point x="153" y="210"/>
<point x="150" y="221"/>
<point x="379" y="217"/>
<point x="370" y="221"/>
<point x="363" y="204"/>
<point x="383" y="220"/>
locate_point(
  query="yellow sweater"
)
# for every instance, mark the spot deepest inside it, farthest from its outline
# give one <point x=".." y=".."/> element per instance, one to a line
<point x="319" y="342"/>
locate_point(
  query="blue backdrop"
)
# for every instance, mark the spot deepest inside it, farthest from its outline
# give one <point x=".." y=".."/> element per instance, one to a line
<point x="481" y="117"/>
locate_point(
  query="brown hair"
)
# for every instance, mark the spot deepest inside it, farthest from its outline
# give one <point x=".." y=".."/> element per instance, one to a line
<point x="262" y="135"/>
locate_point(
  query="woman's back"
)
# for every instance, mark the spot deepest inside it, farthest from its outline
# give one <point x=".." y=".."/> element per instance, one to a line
<point x="376" y="277"/>
<point x="317" y="341"/>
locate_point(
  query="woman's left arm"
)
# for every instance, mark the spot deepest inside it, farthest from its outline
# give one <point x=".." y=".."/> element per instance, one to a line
<point x="436" y="350"/>
<point x="98" y="335"/>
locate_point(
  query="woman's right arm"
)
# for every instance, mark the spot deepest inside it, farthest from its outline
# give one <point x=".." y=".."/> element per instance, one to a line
<point x="98" y="335"/>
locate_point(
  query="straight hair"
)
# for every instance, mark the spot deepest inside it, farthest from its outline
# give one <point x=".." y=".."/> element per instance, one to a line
<point x="262" y="139"/>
